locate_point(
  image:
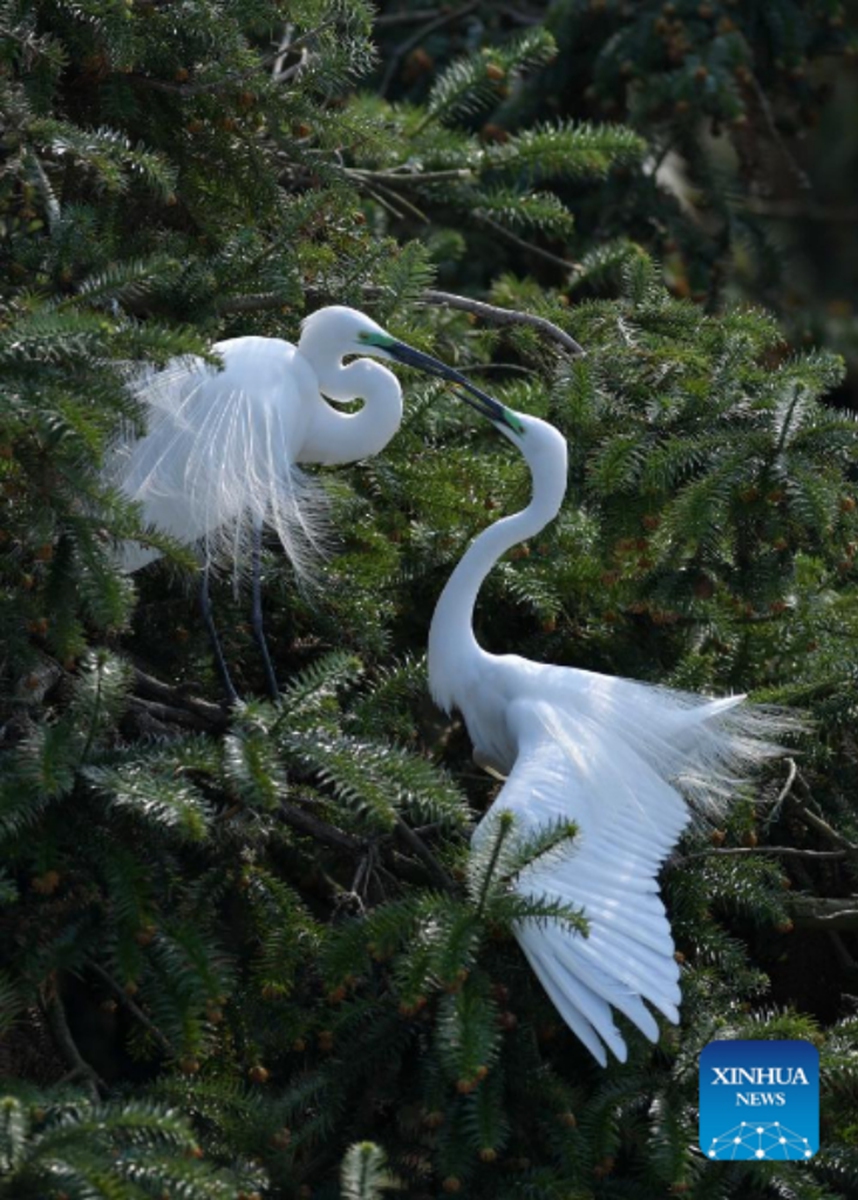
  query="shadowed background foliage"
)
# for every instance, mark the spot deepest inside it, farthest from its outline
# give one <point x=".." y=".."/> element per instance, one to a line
<point x="236" y="944"/>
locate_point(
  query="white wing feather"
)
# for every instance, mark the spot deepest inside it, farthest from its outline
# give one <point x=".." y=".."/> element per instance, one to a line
<point x="629" y="763"/>
<point x="218" y="459"/>
<point x="629" y="819"/>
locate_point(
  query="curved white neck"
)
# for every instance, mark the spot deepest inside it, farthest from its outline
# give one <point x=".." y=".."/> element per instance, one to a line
<point x="451" y="634"/>
<point x="337" y="437"/>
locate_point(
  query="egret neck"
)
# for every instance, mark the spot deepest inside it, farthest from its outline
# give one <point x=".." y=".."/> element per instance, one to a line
<point x="339" y="437"/>
<point x="451" y="635"/>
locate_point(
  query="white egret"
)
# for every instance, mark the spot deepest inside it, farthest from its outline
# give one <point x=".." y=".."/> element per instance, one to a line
<point x="221" y="456"/>
<point x="614" y="756"/>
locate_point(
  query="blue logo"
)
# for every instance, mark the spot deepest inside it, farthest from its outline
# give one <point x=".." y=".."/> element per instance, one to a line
<point x="759" y="1100"/>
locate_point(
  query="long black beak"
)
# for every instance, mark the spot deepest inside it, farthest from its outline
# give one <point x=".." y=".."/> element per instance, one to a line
<point x="484" y="404"/>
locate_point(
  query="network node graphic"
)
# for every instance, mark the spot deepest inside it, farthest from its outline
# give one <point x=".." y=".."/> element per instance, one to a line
<point x="768" y="1141"/>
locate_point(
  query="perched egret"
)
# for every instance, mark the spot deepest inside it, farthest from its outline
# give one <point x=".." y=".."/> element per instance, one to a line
<point x="220" y="460"/>
<point x="615" y="757"/>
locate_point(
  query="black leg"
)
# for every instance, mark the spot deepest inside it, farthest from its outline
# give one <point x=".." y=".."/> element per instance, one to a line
<point x="258" y="630"/>
<point x="206" y="606"/>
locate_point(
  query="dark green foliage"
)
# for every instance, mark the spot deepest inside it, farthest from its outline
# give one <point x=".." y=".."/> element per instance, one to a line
<point x="363" y="1175"/>
<point x="261" y="936"/>
<point x="57" y="1144"/>
<point x="747" y="109"/>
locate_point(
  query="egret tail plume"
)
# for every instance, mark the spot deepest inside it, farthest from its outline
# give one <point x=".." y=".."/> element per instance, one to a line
<point x="180" y="473"/>
<point x="705" y="747"/>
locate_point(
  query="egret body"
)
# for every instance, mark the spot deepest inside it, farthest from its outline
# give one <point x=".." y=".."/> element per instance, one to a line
<point x="616" y="757"/>
<point x="222" y="455"/>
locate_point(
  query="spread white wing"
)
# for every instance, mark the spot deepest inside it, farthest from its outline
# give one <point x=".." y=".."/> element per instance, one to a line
<point x="572" y="767"/>
<point x="219" y="458"/>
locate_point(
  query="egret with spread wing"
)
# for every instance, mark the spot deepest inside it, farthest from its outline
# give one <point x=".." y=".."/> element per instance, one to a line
<point x="221" y="458"/>
<point x="616" y="757"/>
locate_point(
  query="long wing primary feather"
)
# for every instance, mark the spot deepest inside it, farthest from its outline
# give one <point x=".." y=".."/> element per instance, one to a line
<point x="572" y="767"/>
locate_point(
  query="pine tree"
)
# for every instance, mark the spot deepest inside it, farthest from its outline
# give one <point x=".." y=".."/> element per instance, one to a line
<point x="249" y="953"/>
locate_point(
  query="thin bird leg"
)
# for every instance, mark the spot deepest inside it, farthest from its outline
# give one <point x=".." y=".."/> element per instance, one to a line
<point x="206" y="607"/>
<point x="258" y="631"/>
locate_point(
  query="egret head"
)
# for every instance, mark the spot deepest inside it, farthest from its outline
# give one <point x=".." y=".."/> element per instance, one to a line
<point x="543" y="446"/>
<point x="345" y="331"/>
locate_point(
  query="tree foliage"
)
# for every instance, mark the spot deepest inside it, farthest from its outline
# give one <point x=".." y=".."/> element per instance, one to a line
<point x="249" y="952"/>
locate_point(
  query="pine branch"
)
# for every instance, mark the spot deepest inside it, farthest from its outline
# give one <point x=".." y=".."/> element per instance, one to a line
<point x="564" y="263"/>
<point x="363" y="1175"/>
<point x="304" y="823"/>
<point x="416" y="843"/>
<point x="503" y="316"/>
<point x="436" y="21"/>
<point x="819" y="823"/>
<point x="815" y="912"/>
<point x="407" y="177"/>
<point x="787" y="851"/>
<point x="126" y="1001"/>
<point x="209" y="716"/>
<point x="805" y="210"/>
<point x="80" y="1068"/>
<point x="505" y="822"/>
<point x="406" y="18"/>
<point x="479" y="308"/>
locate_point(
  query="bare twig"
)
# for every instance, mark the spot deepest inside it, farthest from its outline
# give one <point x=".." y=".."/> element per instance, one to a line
<point x="295" y="70"/>
<point x="366" y="850"/>
<point x="812" y="912"/>
<point x="792" y="772"/>
<point x="818" y="823"/>
<point x="823" y="827"/>
<point x="153" y="689"/>
<point x="382" y="190"/>
<point x="787" y="851"/>
<point x="380" y="199"/>
<point x="260" y="302"/>
<point x="171" y="715"/>
<point x="282" y="50"/>
<point x="234" y="77"/>
<point x="303" y="822"/>
<point x="443" y="18"/>
<point x="771" y="124"/>
<point x="412" y="178"/>
<point x="836" y="942"/>
<point x="503" y="316"/>
<point x="281" y="73"/>
<point x="847" y="849"/>
<point x="564" y="263"/>
<point x="787" y="787"/>
<point x="416" y="843"/>
<point x="80" y="1068"/>
<point x="200" y="89"/>
<point x="489" y="312"/>
<point x="415" y="17"/>
<point x="808" y="210"/>
<point x="125" y="1000"/>
<point x="483" y="368"/>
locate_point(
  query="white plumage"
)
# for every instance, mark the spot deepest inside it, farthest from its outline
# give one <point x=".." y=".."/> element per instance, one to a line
<point x="221" y="458"/>
<point x="616" y="757"/>
<point x="223" y="448"/>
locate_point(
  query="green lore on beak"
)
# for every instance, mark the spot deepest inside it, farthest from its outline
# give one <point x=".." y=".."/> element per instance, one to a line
<point x="370" y="338"/>
<point x="509" y="418"/>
